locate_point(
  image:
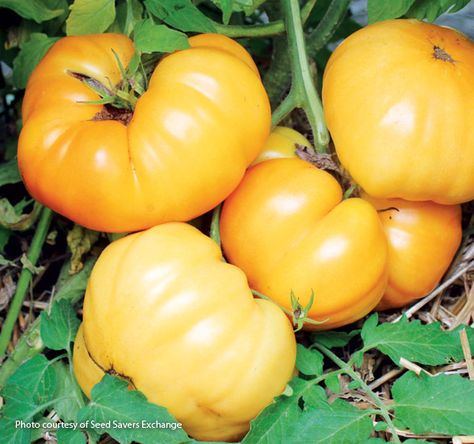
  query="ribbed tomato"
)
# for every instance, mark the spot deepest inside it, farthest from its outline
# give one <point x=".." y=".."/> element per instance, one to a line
<point x="163" y="310"/>
<point x="183" y="149"/>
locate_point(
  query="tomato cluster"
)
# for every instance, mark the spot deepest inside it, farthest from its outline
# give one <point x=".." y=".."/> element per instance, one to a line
<point x="162" y="308"/>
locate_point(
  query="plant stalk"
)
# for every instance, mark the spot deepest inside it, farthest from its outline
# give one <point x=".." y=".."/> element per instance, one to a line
<point x="25" y="278"/>
<point x="346" y="368"/>
<point x="303" y="87"/>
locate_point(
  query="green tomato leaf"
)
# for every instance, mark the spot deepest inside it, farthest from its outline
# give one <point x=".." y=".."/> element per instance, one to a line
<point x="9" y="172"/>
<point x="334" y="423"/>
<point x="90" y="16"/>
<point x="149" y="38"/>
<point x="432" y="9"/>
<point x="72" y="288"/>
<point x="384" y="10"/>
<point x="35" y="10"/>
<point x="319" y="422"/>
<point x="424" y="344"/>
<point x="59" y="328"/>
<point x="13" y="435"/>
<point x="333" y="383"/>
<point x="309" y="362"/>
<point x="227" y="7"/>
<point x="272" y="424"/>
<point x="125" y="18"/>
<point x="112" y="401"/>
<point x="70" y="436"/>
<point x="67" y="408"/>
<point x="32" y="51"/>
<point x="180" y="14"/>
<point x="334" y="339"/>
<point x="37" y="377"/>
<point x="5" y="235"/>
<point x="439" y="404"/>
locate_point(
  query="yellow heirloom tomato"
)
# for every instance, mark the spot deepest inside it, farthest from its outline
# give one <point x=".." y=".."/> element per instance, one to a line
<point x="185" y="146"/>
<point x="399" y="103"/>
<point x="163" y="310"/>
<point x="282" y="142"/>
<point x="286" y="227"/>
<point x="422" y="240"/>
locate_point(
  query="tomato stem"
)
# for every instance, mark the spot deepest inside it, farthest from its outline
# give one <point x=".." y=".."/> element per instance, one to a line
<point x="25" y="278"/>
<point x="303" y="88"/>
<point x="264" y="30"/>
<point x="348" y="370"/>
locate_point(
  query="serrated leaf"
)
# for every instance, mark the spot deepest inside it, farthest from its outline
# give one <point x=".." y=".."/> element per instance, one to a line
<point x="333" y="383"/>
<point x="73" y="287"/>
<point x="180" y="14"/>
<point x="9" y="172"/>
<point x="35" y="10"/>
<point x="70" y="436"/>
<point x="424" y="344"/>
<point x="59" y="328"/>
<point x="37" y="377"/>
<point x="149" y="38"/>
<point x="90" y="16"/>
<point x="333" y="339"/>
<point x="432" y="9"/>
<point x="12" y="217"/>
<point x="334" y="423"/>
<point x="126" y="19"/>
<point x="80" y="240"/>
<point x="13" y="435"/>
<point x="272" y="424"/>
<point x="66" y="385"/>
<point x="111" y="400"/>
<point x="313" y="396"/>
<point x="309" y="362"/>
<point x="32" y="51"/>
<point x="439" y="404"/>
<point x="384" y="10"/>
<point x="227" y="7"/>
<point x="19" y="403"/>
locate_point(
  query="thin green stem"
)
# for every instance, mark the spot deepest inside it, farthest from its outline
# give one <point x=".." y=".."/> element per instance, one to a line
<point x="303" y="85"/>
<point x="328" y="25"/>
<point x="25" y="278"/>
<point x="284" y="108"/>
<point x="262" y="296"/>
<point x="278" y="77"/>
<point x="384" y="411"/>
<point x="215" y="228"/>
<point x="263" y="30"/>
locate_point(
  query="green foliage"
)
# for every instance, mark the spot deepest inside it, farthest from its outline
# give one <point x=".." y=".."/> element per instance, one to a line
<point x="112" y="401"/>
<point x="420" y="9"/>
<point x="180" y="14"/>
<point x="428" y="404"/>
<point x="90" y="16"/>
<point x="150" y="37"/>
<point x="425" y="344"/>
<point x="309" y="362"/>
<point x="430" y="10"/>
<point x="59" y="328"/>
<point x="36" y="10"/>
<point x="9" y="172"/>
<point x="32" y="51"/>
